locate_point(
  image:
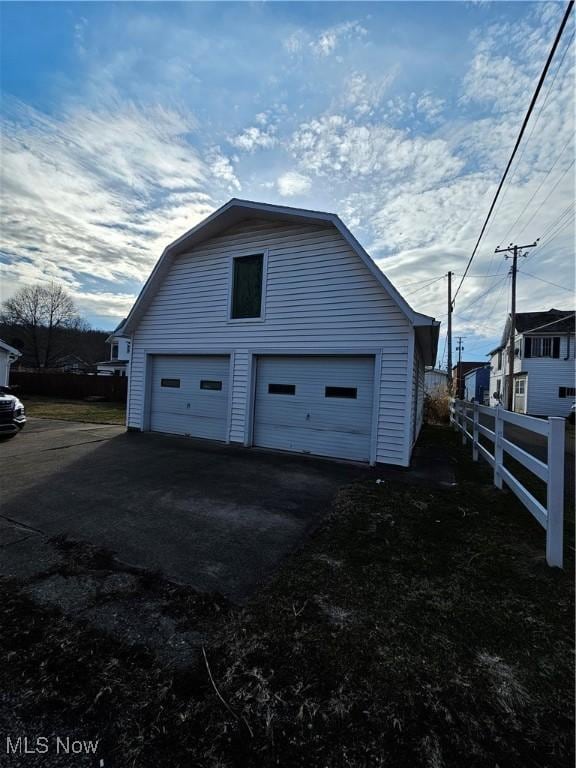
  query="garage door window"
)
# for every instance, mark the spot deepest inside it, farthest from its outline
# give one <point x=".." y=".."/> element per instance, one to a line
<point x="208" y="384"/>
<point x="281" y="389"/>
<point x="247" y="287"/>
<point x="350" y="393"/>
<point x="174" y="383"/>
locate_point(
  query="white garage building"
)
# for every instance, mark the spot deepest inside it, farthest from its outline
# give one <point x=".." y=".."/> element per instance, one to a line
<point x="271" y="326"/>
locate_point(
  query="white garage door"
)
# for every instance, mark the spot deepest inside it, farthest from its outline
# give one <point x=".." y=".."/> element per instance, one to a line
<point x="319" y="405"/>
<point x="190" y="395"/>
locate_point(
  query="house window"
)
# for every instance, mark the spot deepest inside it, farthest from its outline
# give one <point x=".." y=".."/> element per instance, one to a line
<point x="281" y="389"/>
<point x="542" y="346"/>
<point x="351" y="393"/>
<point x="127" y="347"/>
<point x="247" y="272"/>
<point x="114" y="352"/>
<point x="499" y="364"/>
<point x="566" y="391"/>
<point x="208" y="384"/>
<point x="174" y="383"/>
<point x="519" y="386"/>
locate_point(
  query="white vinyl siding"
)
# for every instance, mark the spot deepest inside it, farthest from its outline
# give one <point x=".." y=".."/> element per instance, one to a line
<point x="318" y="296"/>
<point x="545" y="375"/>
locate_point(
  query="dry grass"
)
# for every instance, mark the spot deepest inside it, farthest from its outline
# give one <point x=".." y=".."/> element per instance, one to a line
<point x="74" y="410"/>
<point x="437" y="408"/>
<point x="415" y="628"/>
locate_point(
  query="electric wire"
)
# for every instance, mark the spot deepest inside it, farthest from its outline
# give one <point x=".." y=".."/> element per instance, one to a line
<point x="519" y="138"/>
<point x="556" y="285"/>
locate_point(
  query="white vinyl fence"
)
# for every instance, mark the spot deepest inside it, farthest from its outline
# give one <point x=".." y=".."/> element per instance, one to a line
<point x="465" y="416"/>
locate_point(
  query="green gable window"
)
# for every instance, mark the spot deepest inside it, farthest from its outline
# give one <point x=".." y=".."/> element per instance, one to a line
<point x="247" y="287"/>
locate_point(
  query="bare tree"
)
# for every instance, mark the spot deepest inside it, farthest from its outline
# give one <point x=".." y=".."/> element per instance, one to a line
<point x="40" y="312"/>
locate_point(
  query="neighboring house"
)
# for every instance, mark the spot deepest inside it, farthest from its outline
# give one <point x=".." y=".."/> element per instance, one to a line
<point x="459" y="371"/>
<point x="71" y="364"/>
<point x="477" y="385"/>
<point x="435" y="381"/>
<point x="8" y="355"/>
<point x="271" y="326"/>
<point x="117" y="365"/>
<point x="543" y="363"/>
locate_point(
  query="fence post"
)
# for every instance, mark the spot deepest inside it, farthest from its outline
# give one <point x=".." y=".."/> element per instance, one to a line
<point x="498" y="451"/>
<point x="475" y="433"/>
<point x="555" y="492"/>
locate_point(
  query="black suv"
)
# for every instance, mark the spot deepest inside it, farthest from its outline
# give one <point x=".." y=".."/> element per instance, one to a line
<point x="12" y="415"/>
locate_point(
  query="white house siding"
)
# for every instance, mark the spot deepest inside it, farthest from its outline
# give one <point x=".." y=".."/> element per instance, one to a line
<point x="319" y="297"/>
<point x="435" y="382"/>
<point x="545" y="376"/>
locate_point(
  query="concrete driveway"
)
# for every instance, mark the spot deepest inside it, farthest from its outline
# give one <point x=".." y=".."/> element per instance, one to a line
<point x="213" y="516"/>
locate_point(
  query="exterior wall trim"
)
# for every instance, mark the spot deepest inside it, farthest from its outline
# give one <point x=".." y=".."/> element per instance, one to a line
<point x="242" y="254"/>
<point x="409" y="402"/>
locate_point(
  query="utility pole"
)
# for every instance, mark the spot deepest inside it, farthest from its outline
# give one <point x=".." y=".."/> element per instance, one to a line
<point x="459" y="349"/>
<point x="449" y="339"/>
<point x="515" y="250"/>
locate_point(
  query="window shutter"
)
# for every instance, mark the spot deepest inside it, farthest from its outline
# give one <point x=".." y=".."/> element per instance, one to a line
<point x="556" y="346"/>
<point x="527" y="346"/>
<point x="561" y="391"/>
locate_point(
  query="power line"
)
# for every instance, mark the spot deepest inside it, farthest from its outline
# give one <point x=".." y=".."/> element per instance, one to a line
<point x="526" y="143"/>
<point x="540" y="111"/>
<point x="546" y="325"/>
<point x="417" y="282"/>
<point x="545" y="199"/>
<point x="520" y="135"/>
<point x="523" y="211"/>
<point x="425" y="286"/>
<point x="556" y="285"/>
<point x="556" y="221"/>
<point x="557" y="233"/>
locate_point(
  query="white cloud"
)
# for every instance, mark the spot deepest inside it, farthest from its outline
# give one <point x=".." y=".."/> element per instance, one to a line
<point x="222" y="169"/>
<point x="328" y="40"/>
<point x="254" y="138"/>
<point x="293" y="183"/>
<point x="497" y="82"/>
<point x="336" y="145"/>
<point x="362" y="94"/>
<point x="97" y="194"/>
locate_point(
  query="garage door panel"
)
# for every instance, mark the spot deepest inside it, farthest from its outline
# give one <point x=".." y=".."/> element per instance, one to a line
<point x="309" y="421"/>
<point x="198" y="406"/>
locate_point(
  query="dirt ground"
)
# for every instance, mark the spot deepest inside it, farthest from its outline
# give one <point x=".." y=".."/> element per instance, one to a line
<point x="415" y="627"/>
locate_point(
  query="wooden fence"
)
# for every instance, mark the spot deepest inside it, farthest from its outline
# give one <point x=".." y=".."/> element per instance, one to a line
<point x="77" y="386"/>
<point x="465" y="416"/>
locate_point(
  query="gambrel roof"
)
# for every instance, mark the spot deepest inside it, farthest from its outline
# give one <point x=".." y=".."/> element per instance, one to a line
<point x="236" y="211"/>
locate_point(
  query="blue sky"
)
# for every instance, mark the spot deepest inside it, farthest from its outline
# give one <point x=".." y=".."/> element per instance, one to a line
<point x="124" y="124"/>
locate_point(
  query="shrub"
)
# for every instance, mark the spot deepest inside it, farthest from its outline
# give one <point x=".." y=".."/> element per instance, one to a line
<point x="437" y="408"/>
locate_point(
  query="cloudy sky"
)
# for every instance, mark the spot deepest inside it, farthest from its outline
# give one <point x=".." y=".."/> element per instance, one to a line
<point x="124" y="124"/>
